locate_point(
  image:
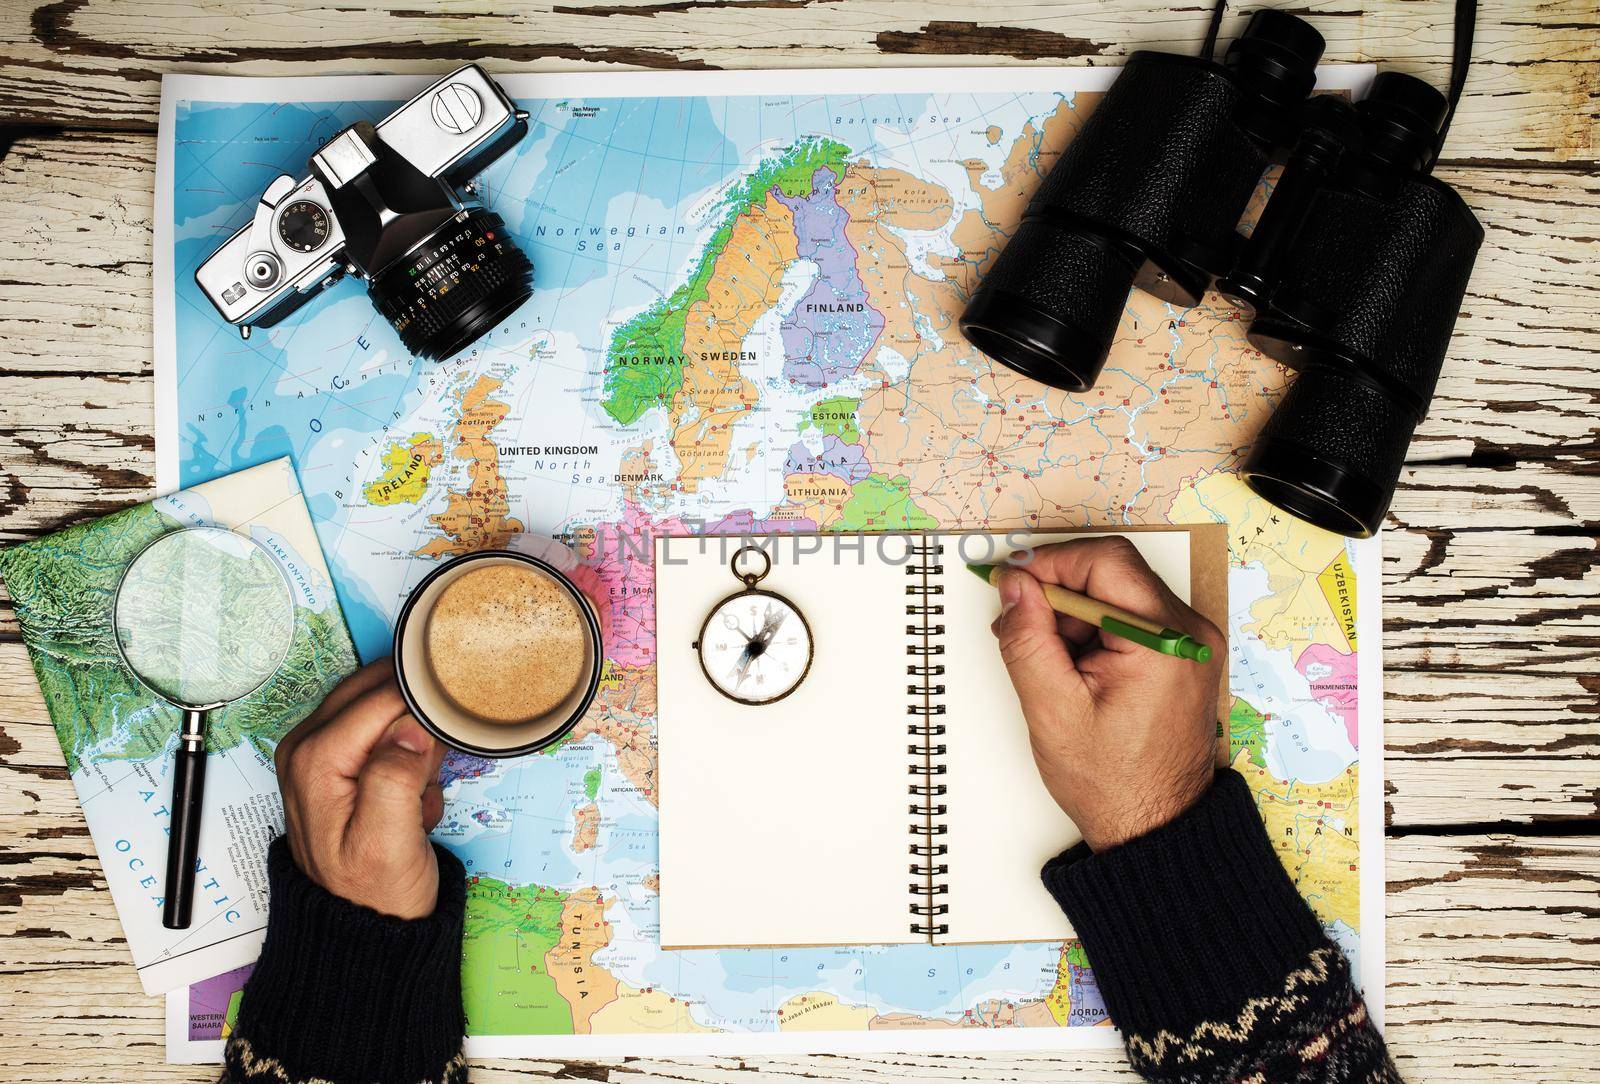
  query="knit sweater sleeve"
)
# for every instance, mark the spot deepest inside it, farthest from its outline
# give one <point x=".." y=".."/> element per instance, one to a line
<point x="1210" y="962"/>
<point x="343" y="994"/>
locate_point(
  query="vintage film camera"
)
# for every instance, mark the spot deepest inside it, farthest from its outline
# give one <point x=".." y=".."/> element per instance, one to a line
<point x="1354" y="273"/>
<point x="390" y="203"/>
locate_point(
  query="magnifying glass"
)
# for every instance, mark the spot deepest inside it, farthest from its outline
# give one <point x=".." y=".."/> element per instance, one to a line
<point x="203" y="617"/>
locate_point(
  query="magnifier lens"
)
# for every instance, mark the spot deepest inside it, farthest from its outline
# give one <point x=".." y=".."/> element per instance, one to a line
<point x="204" y="617"/>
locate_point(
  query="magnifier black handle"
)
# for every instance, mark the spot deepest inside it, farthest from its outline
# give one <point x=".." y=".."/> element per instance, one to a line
<point x="183" y="845"/>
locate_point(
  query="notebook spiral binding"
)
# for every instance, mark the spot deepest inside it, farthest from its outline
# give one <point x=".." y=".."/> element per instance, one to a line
<point x="926" y="753"/>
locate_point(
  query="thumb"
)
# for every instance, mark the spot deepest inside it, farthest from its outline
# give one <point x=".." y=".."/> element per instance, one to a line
<point x="1033" y="651"/>
<point x="389" y="792"/>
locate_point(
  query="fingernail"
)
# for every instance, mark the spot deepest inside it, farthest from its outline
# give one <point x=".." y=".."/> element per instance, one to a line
<point x="408" y="734"/>
<point x="1010" y="591"/>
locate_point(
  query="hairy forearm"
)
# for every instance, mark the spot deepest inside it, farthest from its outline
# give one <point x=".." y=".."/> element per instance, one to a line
<point x="1210" y="962"/>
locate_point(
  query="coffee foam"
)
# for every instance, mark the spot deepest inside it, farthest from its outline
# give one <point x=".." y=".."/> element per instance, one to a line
<point x="506" y="643"/>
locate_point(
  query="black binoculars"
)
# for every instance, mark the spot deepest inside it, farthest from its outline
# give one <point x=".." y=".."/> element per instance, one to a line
<point x="1354" y="272"/>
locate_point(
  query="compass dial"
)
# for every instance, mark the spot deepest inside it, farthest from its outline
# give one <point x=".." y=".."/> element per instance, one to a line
<point x="755" y="647"/>
<point x="303" y="225"/>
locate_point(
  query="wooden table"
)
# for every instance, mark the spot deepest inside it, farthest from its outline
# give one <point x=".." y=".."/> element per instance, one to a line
<point x="1491" y="585"/>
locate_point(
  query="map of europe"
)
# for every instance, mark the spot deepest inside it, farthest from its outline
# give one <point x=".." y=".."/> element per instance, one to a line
<point x="745" y="319"/>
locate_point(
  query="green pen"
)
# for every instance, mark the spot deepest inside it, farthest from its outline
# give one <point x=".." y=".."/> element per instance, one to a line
<point x="1112" y="619"/>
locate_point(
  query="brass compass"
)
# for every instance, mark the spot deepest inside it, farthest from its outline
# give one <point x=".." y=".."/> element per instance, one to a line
<point x="755" y="645"/>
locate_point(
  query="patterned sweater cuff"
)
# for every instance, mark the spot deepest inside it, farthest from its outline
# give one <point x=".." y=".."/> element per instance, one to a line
<point x="343" y="993"/>
<point x="1190" y="922"/>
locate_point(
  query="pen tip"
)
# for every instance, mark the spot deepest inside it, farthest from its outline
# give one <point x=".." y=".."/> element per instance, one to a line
<point x="980" y="571"/>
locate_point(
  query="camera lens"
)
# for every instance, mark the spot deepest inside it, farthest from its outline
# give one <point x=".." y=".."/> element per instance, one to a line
<point x="453" y="286"/>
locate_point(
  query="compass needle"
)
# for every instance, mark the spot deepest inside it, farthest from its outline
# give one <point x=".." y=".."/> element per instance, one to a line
<point x="771" y="665"/>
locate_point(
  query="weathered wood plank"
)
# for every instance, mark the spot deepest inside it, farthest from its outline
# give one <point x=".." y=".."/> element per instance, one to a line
<point x="96" y="63"/>
<point x="1491" y="585"/>
<point x="1489" y="935"/>
<point x="76" y="255"/>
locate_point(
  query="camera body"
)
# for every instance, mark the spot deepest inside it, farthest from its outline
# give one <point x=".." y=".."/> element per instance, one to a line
<point x="391" y="203"/>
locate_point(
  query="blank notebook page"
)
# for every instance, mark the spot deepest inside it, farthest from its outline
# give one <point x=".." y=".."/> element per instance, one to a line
<point x="1002" y="823"/>
<point x="786" y="823"/>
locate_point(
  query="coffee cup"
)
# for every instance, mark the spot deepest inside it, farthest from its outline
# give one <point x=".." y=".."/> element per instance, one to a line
<point x="498" y="653"/>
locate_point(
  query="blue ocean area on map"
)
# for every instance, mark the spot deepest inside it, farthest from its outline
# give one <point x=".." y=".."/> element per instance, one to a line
<point x="656" y="159"/>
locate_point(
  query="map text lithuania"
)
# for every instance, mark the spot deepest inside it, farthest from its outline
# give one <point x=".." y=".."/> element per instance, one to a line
<point x="745" y="319"/>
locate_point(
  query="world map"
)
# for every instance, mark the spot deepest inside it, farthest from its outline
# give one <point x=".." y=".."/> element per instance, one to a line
<point x="745" y="319"/>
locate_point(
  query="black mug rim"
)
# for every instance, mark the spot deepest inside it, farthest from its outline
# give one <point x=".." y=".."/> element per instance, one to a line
<point x="590" y="620"/>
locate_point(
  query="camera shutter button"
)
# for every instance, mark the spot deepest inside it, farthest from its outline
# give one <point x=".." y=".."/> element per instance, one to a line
<point x="457" y="108"/>
<point x="263" y="270"/>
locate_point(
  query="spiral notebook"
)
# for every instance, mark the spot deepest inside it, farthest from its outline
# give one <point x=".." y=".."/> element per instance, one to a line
<point x="892" y="798"/>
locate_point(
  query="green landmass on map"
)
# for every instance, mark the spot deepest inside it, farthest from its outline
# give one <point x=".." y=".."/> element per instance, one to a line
<point x="506" y="987"/>
<point x="835" y="417"/>
<point x="881" y="503"/>
<point x="319" y="658"/>
<point x="1247" y="730"/>
<point x="591" y="783"/>
<point x="204" y="617"/>
<point x="644" y="363"/>
<point x="407" y="465"/>
<point x="63" y="587"/>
